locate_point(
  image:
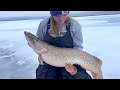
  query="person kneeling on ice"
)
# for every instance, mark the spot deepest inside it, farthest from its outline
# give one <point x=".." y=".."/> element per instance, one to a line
<point x="63" y="31"/>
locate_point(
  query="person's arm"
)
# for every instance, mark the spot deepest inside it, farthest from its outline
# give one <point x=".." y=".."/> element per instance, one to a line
<point x="40" y="34"/>
<point x="42" y="28"/>
<point x="76" y="33"/>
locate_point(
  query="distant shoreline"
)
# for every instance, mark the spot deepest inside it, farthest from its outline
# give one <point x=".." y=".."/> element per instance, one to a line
<point x="20" y="18"/>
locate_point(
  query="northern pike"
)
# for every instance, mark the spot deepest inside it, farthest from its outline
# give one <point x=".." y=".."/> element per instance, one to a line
<point x="59" y="56"/>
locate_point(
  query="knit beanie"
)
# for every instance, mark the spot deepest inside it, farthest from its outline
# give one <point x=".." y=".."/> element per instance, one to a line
<point x="55" y="13"/>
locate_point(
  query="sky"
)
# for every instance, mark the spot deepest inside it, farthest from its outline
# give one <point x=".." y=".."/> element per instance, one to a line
<point x="101" y="38"/>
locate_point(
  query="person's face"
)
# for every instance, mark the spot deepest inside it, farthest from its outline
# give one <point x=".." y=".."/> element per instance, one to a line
<point x="60" y="19"/>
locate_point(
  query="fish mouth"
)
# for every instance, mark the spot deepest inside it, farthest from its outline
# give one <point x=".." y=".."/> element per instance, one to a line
<point x="29" y="37"/>
<point x="25" y="33"/>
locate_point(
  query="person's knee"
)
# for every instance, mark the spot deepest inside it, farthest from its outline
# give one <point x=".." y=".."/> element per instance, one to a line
<point x="45" y="72"/>
<point x="41" y="71"/>
<point x="82" y="73"/>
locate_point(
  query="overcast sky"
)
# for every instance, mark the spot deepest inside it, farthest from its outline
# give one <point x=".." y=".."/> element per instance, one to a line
<point x="22" y="15"/>
<point x="43" y="13"/>
<point x="26" y="13"/>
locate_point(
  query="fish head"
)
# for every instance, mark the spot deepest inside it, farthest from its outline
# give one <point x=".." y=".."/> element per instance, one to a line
<point x="33" y="41"/>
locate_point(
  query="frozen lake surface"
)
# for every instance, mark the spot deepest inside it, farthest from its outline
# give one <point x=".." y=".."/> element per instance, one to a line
<point x="101" y="38"/>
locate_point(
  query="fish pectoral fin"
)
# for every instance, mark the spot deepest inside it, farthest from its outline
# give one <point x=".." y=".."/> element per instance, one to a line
<point x="43" y="50"/>
<point x="40" y="59"/>
<point x="99" y="76"/>
<point x="94" y="76"/>
<point x="71" y="69"/>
